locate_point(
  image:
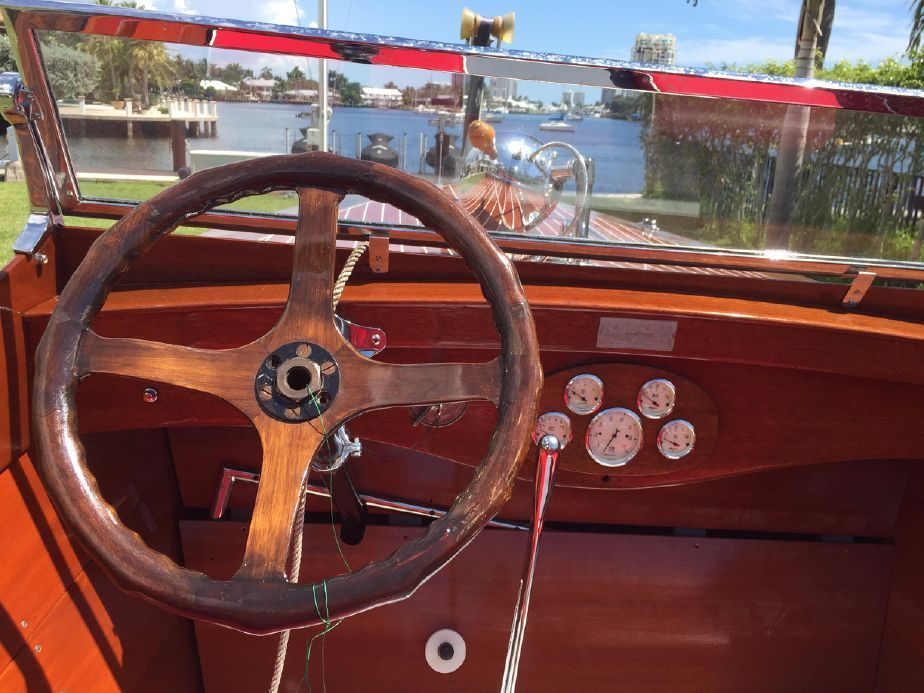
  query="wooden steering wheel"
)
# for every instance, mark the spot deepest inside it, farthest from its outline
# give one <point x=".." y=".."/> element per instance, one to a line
<point x="296" y="382"/>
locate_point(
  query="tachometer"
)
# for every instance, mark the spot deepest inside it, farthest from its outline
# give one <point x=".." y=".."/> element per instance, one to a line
<point x="614" y="436"/>
<point x="656" y="398"/>
<point x="584" y="394"/>
<point x="556" y="424"/>
<point x="676" y="439"/>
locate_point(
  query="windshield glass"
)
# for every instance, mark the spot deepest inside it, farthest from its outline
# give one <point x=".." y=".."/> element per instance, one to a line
<point x="617" y="166"/>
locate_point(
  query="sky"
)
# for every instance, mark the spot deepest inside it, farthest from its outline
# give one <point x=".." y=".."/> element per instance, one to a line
<point x="713" y="32"/>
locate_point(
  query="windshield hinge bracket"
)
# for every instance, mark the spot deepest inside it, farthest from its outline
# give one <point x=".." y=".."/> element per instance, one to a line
<point x="858" y="288"/>
<point x="378" y="254"/>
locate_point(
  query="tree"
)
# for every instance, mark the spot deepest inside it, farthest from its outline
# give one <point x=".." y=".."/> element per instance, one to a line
<point x="352" y="94"/>
<point x="791" y="151"/>
<point x="70" y="72"/>
<point x="267" y="73"/>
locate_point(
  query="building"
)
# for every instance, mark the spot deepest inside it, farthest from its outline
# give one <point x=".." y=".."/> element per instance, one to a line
<point x="382" y="97"/>
<point x="259" y="89"/>
<point x="655" y="48"/>
<point x="217" y="85"/>
<point x="573" y="99"/>
<point x="301" y="95"/>
<point x="502" y="89"/>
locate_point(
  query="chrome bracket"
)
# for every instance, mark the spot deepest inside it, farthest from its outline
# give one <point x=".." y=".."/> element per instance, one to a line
<point x="225" y="485"/>
<point x="19" y="107"/>
<point x="368" y="341"/>
<point x="858" y="288"/>
<point x="33" y="234"/>
<point x="342" y="449"/>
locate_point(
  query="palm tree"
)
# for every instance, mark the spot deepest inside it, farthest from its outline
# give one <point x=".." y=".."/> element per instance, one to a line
<point x="149" y="63"/>
<point x="791" y="151"/>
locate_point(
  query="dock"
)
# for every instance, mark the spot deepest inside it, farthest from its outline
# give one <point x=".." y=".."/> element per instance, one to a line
<point x="199" y="118"/>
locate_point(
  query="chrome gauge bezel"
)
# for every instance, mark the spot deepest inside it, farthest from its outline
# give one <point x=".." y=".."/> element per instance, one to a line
<point x="577" y="409"/>
<point x="562" y="443"/>
<point x="656" y="415"/>
<point x="625" y="459"/>
<point x="672" y="454"/>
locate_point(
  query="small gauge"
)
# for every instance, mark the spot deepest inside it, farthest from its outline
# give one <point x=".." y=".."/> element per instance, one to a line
<point x="676" y="439"/>
<point x="614" y="436"/>
<point x="656" y="398"/>
<point x="438" y="415"/>
<point x="553" y="423"/>
<point x="584" y="394"/>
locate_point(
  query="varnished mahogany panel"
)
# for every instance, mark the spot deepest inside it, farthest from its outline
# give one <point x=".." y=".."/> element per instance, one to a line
<point x="852" y="498"/>
<point x="44" y="583"/>
<point x="198" y="260"/>
<point x="23" y="283"/>
<point x="652" y="614"/>
<point x="901" y="666"/>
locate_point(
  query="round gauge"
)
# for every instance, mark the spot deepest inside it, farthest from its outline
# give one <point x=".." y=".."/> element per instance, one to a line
<point x="438" y="415"/>
<point x="614" y="436"/>
<point x="553" y="423"/>
<point x="584" y="394"/>
<point x="656" y="398"/>
<point x="676" y="439"/>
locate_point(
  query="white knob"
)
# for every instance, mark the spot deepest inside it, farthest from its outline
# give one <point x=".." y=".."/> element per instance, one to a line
<point x="445" y="651"/>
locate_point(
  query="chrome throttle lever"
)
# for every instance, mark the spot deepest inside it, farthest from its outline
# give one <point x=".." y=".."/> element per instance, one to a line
<point x="549" y="447"/>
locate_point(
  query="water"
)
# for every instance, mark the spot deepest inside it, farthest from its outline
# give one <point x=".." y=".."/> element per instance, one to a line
<point x="614" y="144"/>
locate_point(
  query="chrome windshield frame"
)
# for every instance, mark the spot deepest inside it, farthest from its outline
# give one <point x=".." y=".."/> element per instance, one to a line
<point x="26" y="17"/>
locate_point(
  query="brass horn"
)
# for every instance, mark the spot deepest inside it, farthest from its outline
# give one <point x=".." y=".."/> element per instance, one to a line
<point x="469" y="21"/>
<point x="501" y="26"/>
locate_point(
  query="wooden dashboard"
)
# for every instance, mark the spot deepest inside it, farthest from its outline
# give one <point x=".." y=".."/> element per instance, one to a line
<point x="770" y="383"/>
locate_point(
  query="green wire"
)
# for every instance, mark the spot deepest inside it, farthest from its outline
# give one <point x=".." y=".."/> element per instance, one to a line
<point x="328" y="626"/>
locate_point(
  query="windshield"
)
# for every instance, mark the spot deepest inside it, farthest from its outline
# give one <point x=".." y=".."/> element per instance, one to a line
<point x="602" y="165"/>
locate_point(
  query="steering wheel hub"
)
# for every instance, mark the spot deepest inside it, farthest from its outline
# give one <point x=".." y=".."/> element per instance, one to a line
<point x="297" y="382"/>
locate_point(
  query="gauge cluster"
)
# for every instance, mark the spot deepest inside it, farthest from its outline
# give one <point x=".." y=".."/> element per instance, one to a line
<point x="636" y="418"/>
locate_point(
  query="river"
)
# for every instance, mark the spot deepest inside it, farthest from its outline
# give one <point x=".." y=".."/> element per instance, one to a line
<point x="261" y="127"/>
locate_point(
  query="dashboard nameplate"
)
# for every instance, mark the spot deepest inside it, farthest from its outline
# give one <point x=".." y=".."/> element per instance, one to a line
<point x="636" y="333"/>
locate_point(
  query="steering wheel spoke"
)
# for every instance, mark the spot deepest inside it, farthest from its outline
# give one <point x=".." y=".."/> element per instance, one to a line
<point x="287" y="453"/>
<point x="382" y="385"/>
<point x="309" y="311"/>
<point x="219" y="372"/>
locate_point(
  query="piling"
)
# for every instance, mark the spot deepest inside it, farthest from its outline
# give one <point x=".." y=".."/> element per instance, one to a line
<point x="178" y="144"/>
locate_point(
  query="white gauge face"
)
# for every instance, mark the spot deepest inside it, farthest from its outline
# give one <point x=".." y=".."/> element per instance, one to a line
<point x="553" y="423"/>
<point x="656" y="398"/>
<point x="676" y="439"/>
<point x="584" y="394"/>
<point x="614" y="436"/>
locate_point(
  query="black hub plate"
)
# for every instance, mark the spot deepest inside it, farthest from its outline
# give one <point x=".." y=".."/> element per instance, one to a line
<point x="283" y="408"/>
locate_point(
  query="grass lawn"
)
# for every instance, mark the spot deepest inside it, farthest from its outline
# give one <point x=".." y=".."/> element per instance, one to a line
<point x="14" y="206"/>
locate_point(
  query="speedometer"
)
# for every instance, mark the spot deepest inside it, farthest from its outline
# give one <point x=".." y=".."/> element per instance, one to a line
<point x="614" y="436"/>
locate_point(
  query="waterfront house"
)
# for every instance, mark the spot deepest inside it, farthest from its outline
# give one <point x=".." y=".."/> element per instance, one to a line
<point x="382" y="97"/>
<point x="259" y="89"/>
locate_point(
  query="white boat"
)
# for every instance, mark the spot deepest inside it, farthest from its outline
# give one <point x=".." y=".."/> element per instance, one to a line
<point x="556" y="126"/>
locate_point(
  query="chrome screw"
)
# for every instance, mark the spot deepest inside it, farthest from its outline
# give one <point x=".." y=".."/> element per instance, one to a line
<point x="150" y="395"/>
<point x="303" y="350"/>
<point x="40" y="258"/>
<point x="24" y="623"/>
<point x="376" y="339"/>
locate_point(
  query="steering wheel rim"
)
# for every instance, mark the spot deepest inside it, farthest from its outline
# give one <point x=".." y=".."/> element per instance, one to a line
<point x="259" y="599"/>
